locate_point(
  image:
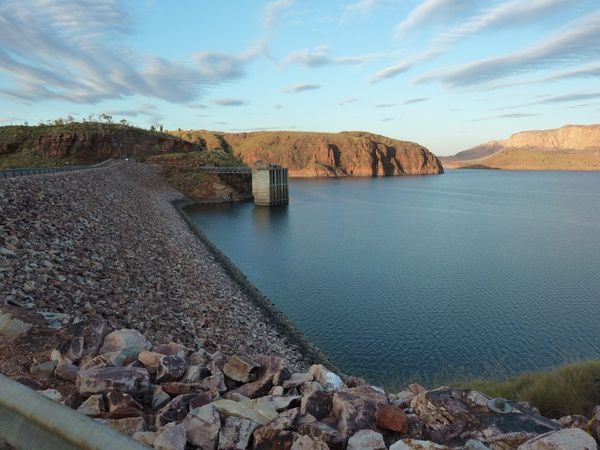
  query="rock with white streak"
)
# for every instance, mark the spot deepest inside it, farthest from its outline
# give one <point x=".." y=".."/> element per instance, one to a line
<point x="366" y="440"/>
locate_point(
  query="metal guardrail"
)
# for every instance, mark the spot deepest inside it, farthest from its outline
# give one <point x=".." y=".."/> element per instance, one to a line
<point x="30" y="420"/>
<point x="20" y="172"/>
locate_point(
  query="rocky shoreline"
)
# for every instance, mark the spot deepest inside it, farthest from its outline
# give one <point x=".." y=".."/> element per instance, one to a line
<point x="114" y="307"/>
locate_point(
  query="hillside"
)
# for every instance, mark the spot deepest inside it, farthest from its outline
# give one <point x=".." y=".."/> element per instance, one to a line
<point x="572" y="147"/>
<point x="310" y="154"/>
<point x="51" y="145"/>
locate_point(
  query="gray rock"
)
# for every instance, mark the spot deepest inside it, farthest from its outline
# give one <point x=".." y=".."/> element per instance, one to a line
<point x="297" y="379"/>
<point x="159" y="397"/>
<point x="131" y="380"/>
<point x="171" y="368"/>
<point x="366" y="440"/>
<point x="145" y="437"/>
<point x="125" y="338"/>
<point x="93" y="406"/>
<point x="45" y="370"/>
<point x="303" y="442"/>
<point x="52" y="394"/>
<point x="194" y="374"/>
<point x="66" y="371"/>
<point x="171" y="437"/>
<point x="566" y="439"/>
<point x="326" y="378"/>
<point x="202" y="426"/>
<point x="236" y="433"/>
<point x="414" y="444"/>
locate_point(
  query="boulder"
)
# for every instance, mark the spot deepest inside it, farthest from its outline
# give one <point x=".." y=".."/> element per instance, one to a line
<point x="402" y="399"/>
<point x="172" y="348"/>
<point x="326" y="378"/>
<point x="414" y="444"/>
<point x="171" y="368"/>
<point x="216" y="363"/>
<point x="390" y="417"/>
<point x="52" y="394"/>
<point x="131" y="380"/>
<point x="303" y="442"/>
<point x="318" y="404"/>
<point x="286" y="420"/>
<point x="128" y="426"/>
<point x="194" y="374"/>
<point x="150" y="360"/>
<point x="259" y="412"/>
<point x="159" y="397"/>
<point x="311" y="386"/>
<point x="565" y="439"/>
<point x="119" y="400"/>
<point x="171" y="437"/>
<point x="474" y="444"/>
<point x="239" y="368"/>
<point x="454" y="416"/>
<point x="356" y="408"/>
<point x="236" y="433"/>
<point x="93" y="406"/>
<point x="322" y="432"/>
<point x="266" y="438"/>
<point x="366" y="440"/>
<point x="202" y="426"/>
<point x="199" y="358"/>
<point x="145" y="437"/>
<point x="44" y="370"/>
<point x="281" y="402"/>
<point x="297" y="379"/>
<point x="574" y="421"/>
<point x="272" y="372"/>
<point x="92" y="331"/>
<point x="66" y="371"/>
<point x="178" y="408"/>
<point x="121" y="339"/>
<point x="216" y="381"/>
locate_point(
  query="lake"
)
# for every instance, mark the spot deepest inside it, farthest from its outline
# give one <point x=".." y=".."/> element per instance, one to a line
<point x="470" y="273"/>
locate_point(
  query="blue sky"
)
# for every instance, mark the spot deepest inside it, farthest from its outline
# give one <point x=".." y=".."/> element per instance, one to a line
<point x="448" y="74"/>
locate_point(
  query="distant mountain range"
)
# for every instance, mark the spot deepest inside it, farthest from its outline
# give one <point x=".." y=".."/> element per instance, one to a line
<point x="572" y="147"/>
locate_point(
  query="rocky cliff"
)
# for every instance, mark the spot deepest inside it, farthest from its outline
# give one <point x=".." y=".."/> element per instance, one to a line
<point x="572" y="147"/>
<point x="84" y="142"/>
<point x="308" y="154"/>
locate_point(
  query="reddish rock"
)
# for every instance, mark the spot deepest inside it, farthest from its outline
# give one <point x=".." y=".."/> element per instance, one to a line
<point x="392" y="418"/>
<point x="239" y="369"/>
<point x="355" y="408"/>
<point x="272" y="371"/>
<point x="120" y="400"/>
<point x="266" y="438"/>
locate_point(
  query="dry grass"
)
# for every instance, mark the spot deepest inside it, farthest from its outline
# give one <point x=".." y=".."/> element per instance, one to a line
<point x="570" y="389"/>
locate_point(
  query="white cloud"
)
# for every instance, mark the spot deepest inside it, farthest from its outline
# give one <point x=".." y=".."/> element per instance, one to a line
<point x="430" y="12"/>
<point x="230" y="102"/>
<point x="273" y="12"/>
<point x="577" y="43"/>
<point x="76" y="50"/>
<point x="410" y="101"/>
<point x="301" y="87"/>
<point x="321" y="56"/>
<point x="347" y="100"/>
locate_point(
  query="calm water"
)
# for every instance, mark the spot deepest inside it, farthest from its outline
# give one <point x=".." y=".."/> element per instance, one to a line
<point x="469" y="273"/>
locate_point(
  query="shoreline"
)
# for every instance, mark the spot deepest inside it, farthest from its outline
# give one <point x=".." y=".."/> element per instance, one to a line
<point x="278" y="320"/>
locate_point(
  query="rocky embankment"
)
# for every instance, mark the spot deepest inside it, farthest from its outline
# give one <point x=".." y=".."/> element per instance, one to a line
<point x="572" y="147"/>
<point x="111" y="306"/>
<point x="308" y="154"/>
<point x="171" y="396"/>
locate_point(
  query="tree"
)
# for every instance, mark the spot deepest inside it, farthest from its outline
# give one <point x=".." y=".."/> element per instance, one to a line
<point x="124" y="122"/>
<point x="152" y="128"/>
<point x="160" y="128"/>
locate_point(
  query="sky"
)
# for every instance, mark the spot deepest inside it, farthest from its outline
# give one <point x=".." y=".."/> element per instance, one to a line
<point x="448" y="74"/>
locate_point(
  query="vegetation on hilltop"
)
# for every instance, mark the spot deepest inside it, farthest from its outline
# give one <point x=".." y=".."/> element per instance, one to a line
<point x="64" y="142"/>
<point x="304" y="153"/>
